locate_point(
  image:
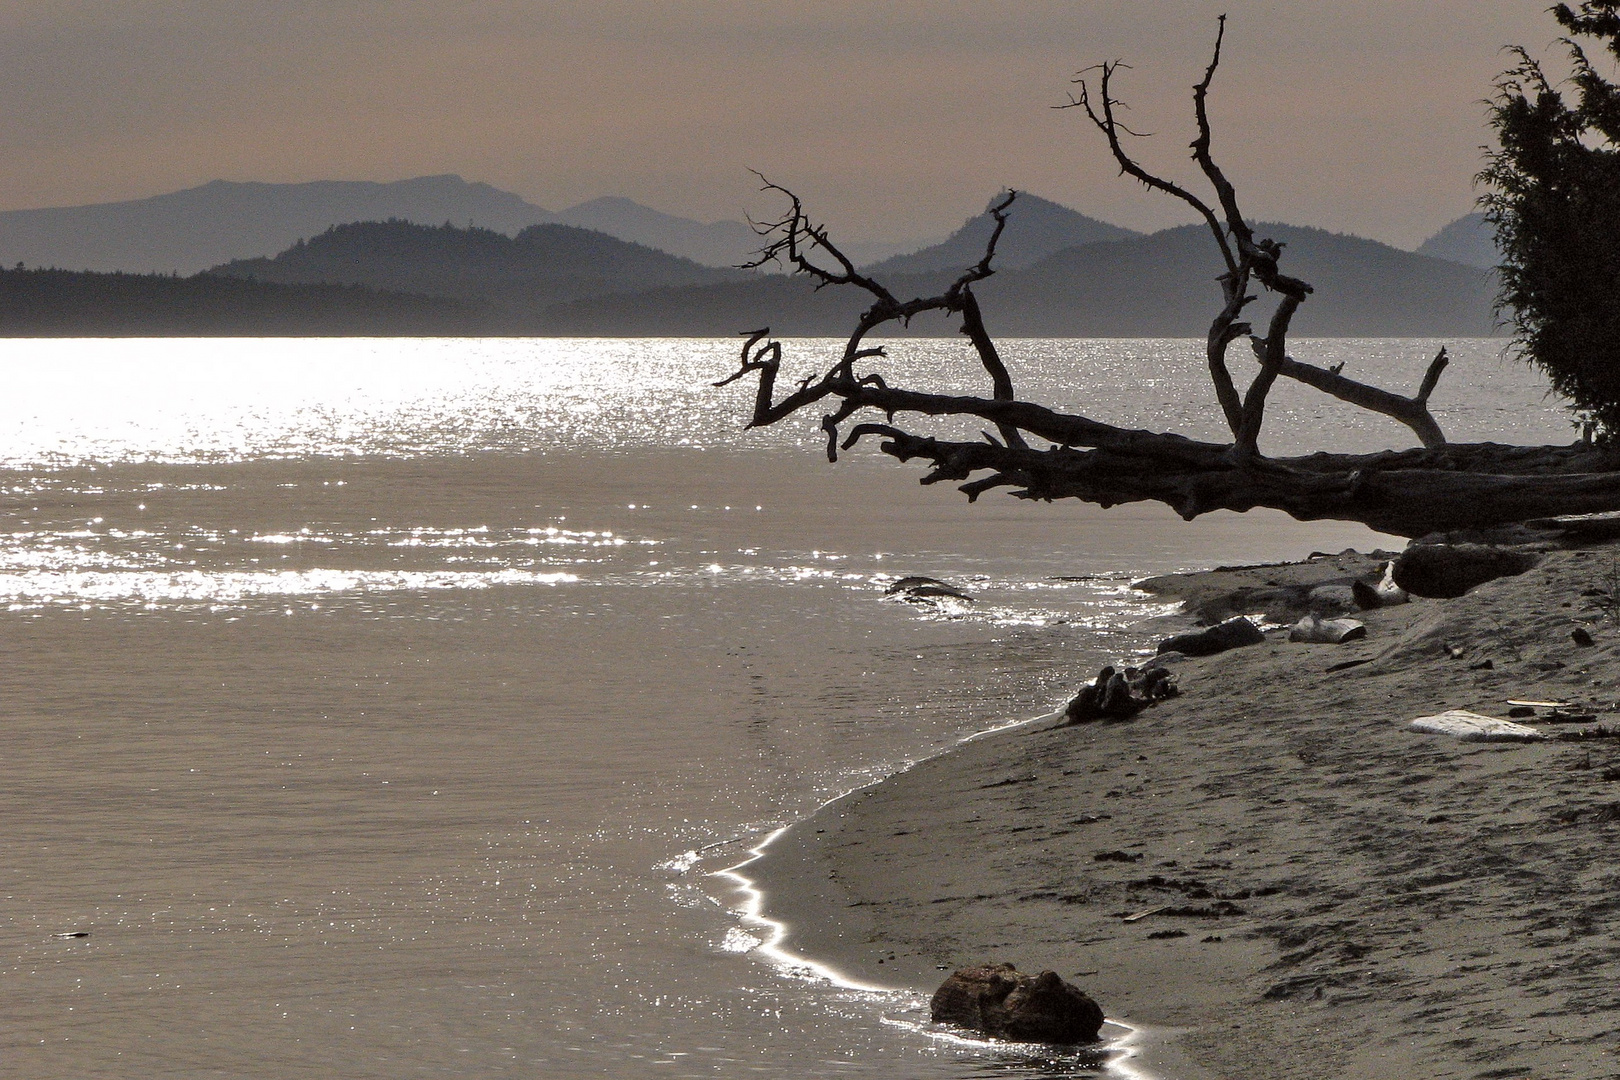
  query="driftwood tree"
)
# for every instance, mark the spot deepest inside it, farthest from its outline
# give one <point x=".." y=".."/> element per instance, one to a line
<point x="1040" y="453"/>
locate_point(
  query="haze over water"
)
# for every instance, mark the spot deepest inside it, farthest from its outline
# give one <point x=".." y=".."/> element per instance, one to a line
<point x="383" y="708"/>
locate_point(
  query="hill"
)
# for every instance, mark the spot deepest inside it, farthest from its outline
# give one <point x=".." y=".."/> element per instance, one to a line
<point x="1036" y="228"/>
<point x="1468" y="240"/>
<point x="719" y="243"/>
<point x="1163" y="284"/>
<point x="1146" y="286"/>
<point x="513" y="277"/>
<point x="187" y="231"/>
<point x="66" y="303"/>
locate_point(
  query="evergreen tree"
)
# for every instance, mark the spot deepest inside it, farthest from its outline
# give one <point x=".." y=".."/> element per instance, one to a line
<point x="1554" y="199"/>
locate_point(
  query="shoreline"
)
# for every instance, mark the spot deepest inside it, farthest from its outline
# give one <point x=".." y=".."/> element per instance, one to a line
<point x="1374" y="901"/>
<point x="1124" y="1056"/>
<point x="1141" y="1052"/>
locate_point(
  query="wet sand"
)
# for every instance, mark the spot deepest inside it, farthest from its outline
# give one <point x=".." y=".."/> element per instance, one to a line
<point x="1358" y="900"/>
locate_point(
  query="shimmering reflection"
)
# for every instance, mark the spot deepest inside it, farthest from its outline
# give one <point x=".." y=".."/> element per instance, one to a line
<point x="201" y="399"/>
<point x="378" y="708"/>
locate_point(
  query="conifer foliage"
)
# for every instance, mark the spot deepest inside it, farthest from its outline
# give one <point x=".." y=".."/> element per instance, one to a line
<point x="1553" y="195"/>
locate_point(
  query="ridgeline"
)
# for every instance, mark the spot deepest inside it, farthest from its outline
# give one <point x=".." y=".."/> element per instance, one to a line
<point x="397" y="278"/>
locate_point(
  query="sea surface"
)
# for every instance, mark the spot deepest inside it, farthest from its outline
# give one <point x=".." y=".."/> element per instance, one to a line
<point x="387" y="708"/>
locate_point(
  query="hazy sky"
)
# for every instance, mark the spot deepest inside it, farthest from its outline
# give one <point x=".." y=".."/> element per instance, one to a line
<point x="895" y="118"/>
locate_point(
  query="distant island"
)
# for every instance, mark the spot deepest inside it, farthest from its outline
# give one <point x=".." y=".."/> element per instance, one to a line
<point x="1062" y="274"/>
<point x="82" y="303"/>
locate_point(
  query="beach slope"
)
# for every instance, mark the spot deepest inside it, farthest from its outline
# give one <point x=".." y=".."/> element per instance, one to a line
<point x="1332" y="895"/>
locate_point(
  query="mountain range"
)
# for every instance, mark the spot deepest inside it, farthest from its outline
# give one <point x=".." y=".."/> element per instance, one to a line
<point x="515" y="268"/>
<point x="1158" y="285"/>
<point x="559" y="279"/>
<point x="191" y="230"/>
<point x="187" y="231"/>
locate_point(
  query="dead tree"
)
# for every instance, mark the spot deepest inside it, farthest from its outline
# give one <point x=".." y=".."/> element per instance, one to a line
<point x="1043" y="454"/>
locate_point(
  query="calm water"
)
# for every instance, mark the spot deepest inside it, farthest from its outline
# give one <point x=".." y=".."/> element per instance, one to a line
<point x="384" y="708"/>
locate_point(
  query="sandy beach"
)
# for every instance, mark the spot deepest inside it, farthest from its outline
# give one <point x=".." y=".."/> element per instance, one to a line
<point x="1339" y="897"/>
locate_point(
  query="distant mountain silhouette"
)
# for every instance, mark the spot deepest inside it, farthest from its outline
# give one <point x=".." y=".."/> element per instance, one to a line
<point x="1146" y="286"/>
<point x="721" y="243"/>
<point x="1163" y="284"/>
<point x="191" y="230"/>
<point x="1036" y="228"/>
<point x="397" y="277"/>
<point x="519" y="276"/>
<point x="1469" y="240"/>
<point x="67" y="303"/>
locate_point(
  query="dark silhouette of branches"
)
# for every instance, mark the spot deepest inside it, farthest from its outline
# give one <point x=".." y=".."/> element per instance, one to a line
<point x="1043" y="454"/>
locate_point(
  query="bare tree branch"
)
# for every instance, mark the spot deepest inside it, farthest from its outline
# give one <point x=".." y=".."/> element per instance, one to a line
<point x="1235" y="282"/>
<point x="1412" y="411"/>
<point x="1440" y="486"/>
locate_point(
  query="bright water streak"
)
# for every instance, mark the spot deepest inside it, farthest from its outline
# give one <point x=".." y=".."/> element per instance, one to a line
<point x="364" y="699"/>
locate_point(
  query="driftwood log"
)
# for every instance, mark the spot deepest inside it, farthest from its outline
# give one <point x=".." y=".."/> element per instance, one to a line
<point x="1039" y="453"/>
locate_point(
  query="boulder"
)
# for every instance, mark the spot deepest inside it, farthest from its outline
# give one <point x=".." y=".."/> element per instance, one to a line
<point x="1444" y="571"/>
<point x="1231" y="634"/>
<point x="1000" y="1001"/>
<point x="1331" y="600"/>
<point x="917" y="587"/>
<point x="1279" y="603"/>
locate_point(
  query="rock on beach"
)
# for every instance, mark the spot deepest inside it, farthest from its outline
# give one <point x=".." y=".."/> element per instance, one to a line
<point x="1000" y="1001"/>
<point x="1447" y="571"/>
<point x="1231" y="634"/>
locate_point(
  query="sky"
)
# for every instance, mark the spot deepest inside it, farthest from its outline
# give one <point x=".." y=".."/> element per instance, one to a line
<point x="895" y="119"/>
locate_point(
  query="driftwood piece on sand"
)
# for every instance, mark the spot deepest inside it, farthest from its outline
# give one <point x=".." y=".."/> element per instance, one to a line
<point x="1120" y="695"/>
<point x="1313" y="629"/>
<point x="1472" y="727"/>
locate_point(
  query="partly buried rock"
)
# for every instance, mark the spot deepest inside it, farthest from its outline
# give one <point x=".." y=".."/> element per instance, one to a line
<point x="1444" y="571"/>
<point x="1000" y="1001"/>
<point x="1231" y="634"/>
<point x="1319" y="631"/>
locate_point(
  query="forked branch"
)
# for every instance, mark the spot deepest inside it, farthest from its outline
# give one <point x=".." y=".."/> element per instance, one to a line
<point x="1411" y="411"/>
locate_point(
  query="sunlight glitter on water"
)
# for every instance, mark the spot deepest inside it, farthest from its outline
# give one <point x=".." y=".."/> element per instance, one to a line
<point x="73" y="401"/>
<point x="225" y="399"/>
<point x="42" y="588"/>
<point x="551" y="655"/>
